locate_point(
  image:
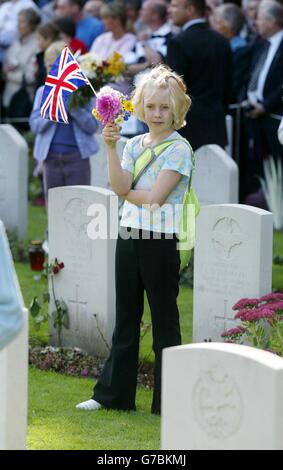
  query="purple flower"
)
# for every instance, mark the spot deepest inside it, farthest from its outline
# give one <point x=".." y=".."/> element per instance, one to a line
<point x="234" y="331"/>
<point x="85" y="372"/>
<point x="108" y="104"/>
<point x="258" y="314"/>
<point x="241" y="314"/>
<point x="244" y="303"/>
<point x="275" y="305"/>
<point x="274" y="296"/>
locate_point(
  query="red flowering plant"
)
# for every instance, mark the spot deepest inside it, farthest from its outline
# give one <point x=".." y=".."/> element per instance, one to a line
<point x="262" y="323"/>
<point x="60" y="315"/>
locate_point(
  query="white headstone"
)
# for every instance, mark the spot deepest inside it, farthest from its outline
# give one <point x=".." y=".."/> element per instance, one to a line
<point x="13" y="369"/>
<point x="98" y="162"/>
<point x="232" y="260"/>
<point x="221" y="397"/>
<point x="87" y="283"/>
<point x="13" y="180"/>
<point x="216" y="178"/>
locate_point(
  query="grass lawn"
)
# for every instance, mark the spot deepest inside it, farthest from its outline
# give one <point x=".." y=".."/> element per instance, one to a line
<point x="55" y="424"/>
<point x="53" y="421"/>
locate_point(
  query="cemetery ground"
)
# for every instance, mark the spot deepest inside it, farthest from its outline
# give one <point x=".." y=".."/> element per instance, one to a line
<point x="54" y="423"/>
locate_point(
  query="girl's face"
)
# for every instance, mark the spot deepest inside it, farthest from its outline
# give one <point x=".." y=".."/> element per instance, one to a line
<point x="157" y="111"/>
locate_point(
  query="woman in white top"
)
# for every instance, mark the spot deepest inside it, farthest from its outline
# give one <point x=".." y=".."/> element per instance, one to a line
<point x="116" y="38"/>
<point x="18" y="64"/>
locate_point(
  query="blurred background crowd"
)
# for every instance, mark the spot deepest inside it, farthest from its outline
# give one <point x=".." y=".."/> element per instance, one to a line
<point x="229" y="53"/>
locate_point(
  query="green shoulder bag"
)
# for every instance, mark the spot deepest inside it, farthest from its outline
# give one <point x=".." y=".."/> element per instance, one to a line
<point x="191" y="205"/>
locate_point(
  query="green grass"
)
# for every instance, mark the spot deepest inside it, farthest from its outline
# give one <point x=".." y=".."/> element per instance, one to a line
<point x="277" y="273"/>
<point x="55" y="424"/>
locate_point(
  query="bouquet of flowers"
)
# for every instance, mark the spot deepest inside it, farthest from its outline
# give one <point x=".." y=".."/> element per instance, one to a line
<point x="112" y="106"/>
<point x="99" y="73"/>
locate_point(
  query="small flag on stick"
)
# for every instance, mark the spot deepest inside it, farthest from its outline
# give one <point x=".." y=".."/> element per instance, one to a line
<point x="65" y="77"/>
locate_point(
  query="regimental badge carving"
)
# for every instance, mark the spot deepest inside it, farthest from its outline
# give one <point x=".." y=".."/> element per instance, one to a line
<point x="226" y="238"/>
<point x="217" y="403"/>
<point x="76" y="219"/>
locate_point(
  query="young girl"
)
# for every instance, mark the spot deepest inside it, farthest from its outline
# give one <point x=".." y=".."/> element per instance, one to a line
<point x="147" y="258"/>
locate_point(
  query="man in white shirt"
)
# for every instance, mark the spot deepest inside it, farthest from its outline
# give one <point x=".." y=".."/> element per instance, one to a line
<point x="151" y="48"/>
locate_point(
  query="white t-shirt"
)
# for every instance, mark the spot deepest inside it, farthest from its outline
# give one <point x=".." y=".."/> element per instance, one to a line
<point x="176" y="157"/>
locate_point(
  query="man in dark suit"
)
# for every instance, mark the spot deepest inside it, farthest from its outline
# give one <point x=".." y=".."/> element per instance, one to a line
<point x="203" y="57"/>
<point x="264" y="93"/>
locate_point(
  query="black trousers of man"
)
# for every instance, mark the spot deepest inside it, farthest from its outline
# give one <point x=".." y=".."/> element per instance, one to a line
<point x="262" y="143"/>
<point x="150" y="265"/>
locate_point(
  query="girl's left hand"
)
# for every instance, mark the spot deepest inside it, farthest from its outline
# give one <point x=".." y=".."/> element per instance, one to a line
<point x="111" y="134"/>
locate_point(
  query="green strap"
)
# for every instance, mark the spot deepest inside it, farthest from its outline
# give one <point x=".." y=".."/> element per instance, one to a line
<point x="149" y="155"/>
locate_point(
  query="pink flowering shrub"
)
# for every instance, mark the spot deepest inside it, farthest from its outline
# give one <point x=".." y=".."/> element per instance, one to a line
<point x="261" y="323"/>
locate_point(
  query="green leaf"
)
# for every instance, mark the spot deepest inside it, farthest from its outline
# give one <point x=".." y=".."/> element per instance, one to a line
<point x="63" y="306"/>
<point x="46" y="297"/>
<point x="65" y="321"/>
<point x="54" y="315"/>
<point x="35" y="307"/>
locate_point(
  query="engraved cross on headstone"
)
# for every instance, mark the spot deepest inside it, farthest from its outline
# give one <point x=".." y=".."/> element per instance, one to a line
<point x="77" y="303"/>
<point x="225" y="318"/>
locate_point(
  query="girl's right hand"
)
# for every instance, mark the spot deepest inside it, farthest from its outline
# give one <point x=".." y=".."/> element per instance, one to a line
<point x="111" y="134"/>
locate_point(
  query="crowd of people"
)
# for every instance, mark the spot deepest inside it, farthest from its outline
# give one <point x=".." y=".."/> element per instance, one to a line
<point x="230" y="56"/>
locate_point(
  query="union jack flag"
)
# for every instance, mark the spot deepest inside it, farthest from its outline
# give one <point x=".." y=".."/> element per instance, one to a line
<point x="64" y="77"/>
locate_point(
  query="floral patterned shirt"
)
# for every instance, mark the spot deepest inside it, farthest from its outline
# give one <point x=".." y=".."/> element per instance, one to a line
<point x="176" y="157"/>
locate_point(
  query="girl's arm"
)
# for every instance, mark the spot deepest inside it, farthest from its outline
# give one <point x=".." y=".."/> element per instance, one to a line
<point x="121" y="180"/>
<point x="165" y="183"/>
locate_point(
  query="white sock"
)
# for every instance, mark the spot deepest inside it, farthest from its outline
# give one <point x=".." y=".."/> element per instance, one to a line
<point x="89" y="405"/>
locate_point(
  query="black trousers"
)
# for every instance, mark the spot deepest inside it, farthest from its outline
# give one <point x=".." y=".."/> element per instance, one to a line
<point x="262" y="142"/>
<point x="150" y="265"/>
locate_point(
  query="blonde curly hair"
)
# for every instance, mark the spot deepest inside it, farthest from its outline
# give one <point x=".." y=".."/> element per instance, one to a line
<point x="162" y="76"/>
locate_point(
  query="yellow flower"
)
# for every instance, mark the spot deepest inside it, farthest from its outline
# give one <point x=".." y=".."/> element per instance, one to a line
<point x="128" y="106"/>
<point x="115" y="57"/>
<point x="96" y="114"/>
<point x="116" y="64"/>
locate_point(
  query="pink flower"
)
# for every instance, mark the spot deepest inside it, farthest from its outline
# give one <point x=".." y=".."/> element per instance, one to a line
<point x="275" y="305"/>
<point x="274" y="296"/>
<point x="108" y="104"/>
<point x="241" y="314"/>
<point x="258" y="314"/>
<point x="234" y="331"/>
<point x="244" y="303"/>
